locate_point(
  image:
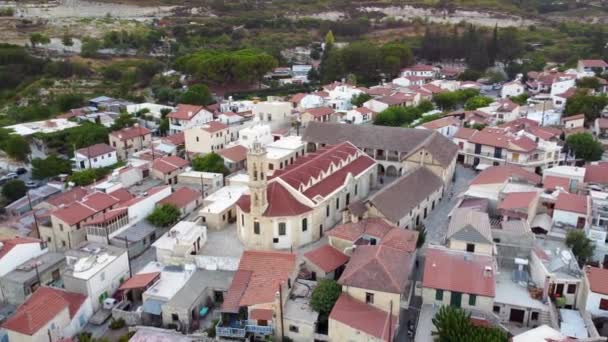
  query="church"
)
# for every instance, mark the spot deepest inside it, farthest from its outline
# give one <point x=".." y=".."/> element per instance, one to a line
<point x="293" y="206"/>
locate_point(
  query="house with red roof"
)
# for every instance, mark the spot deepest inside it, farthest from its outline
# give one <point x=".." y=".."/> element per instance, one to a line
<point x="210" y="137"/>
<point x="234" y="157"/>
<point x="15" y="251"/>
<point x="325" y="262"/>
<point x="420" y="70"/>
<point x="185" y="199"/>
<point x="251" y="305"/>
<point x="461" y="279"/>
<point x="350" y="318"/>
<point x="94" y="156"/>
<point x="360" y="115"/>
<point x="294" y="205"/>
<point x="574" y="121"/>
<point x="591" y="66"/>
<point x="447" y="125"/>
<point x="519" y="205"/>
<point x="185" y="116"/>
<point x="130" y="140"/>
<point x="304" y="101"/>
<point x="595" y="291"/>
<point x="167" y="168"/>
<point x="572" y="210"/>
<point x="50" y="314"/>
<point x="600" y="129"/>
<point x="319" y="114"/>
<point x="514" y="88"/>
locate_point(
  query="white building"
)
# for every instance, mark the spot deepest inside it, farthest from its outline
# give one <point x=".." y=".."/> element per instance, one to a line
<point x="284" y="152"/>
<point x="183" y="240"/>
<point x="94" y="156"/>
<point x="595" y="291"/>
<point x="46" y="126"/>
<point x="360" y="115"/>
<point x="16" y="251"/>
<point x="188" y="116"/>
<point x="260" y="133"/>
<point x="220" y="207"/>
<point x="447" y="126"/>
<point x="96" y="270"/>
<point x="237" y="106"/>
<point x="341" y="95"/>
<point x="152" y="109"/>
<point x="511" y="89"/>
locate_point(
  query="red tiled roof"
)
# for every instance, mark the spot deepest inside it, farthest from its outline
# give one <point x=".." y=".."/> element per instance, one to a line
<point x="594" y="63"/>
<point x="573" y="117"/>
<point x="441" y="122"/>
<point x="184" y="112"/>
<point x="176" y="139"/>
<point x="568" y="93"/>
<point x="261" y="314"/>
<point x="378" y="267"/>
<point x="282" y="203"/>
<point x="255" y="282"/>
<point x="373" y="226"/>
<point x="597" y="173"/>
<point x="95" y="150"/>
<point x="419" y="67"/>
<point x="602" y="122"/>
<point x="498" y="137"/>
<point x="454" y="270"/>
<point x="235" y="153"/>
<point x="401" y="239"/>
<point x="319" y="111"/>
<point x="214" y="126"/>
<point x="296" y="98"/>
<point x="326" y="258"/>
<point x="9" y="244"/>
<point x="168" y="164"/>
<point x="67" y="197"/>
<point x="122" y="195"/>
<point x="545" y="133"/>
<point x="43" y="306"/>
<point x="99" y="201"/>
<point x="181" y="197"/>
<point x="335" y="180"/>
<point x="598" y="279"/>
<point x="464" y="133"/>
<point x="502" y="173"/>
<point x="139" y="281"/>
<point x="552" y="182"/>
<point x="572" y="203"/>
<point x="87" y="207"/>
<point x="517" y="200"/>
<point x="131" y="132"/>
<point x="107" y="216"/>
<point x="364" y="317"/>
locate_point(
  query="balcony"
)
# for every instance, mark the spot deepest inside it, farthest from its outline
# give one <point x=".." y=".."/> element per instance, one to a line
<point x="240" y="329"/>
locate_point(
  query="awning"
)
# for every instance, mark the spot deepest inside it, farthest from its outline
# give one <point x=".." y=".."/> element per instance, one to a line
<point x="481" y="167"/>
<point x="153" y="306"/>
<point x="543" y="221"/>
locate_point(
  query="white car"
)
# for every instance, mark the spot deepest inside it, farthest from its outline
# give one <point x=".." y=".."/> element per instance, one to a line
<point x="109" y="303"/>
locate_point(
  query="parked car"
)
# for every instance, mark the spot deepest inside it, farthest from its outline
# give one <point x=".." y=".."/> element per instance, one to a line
<point x="8" y="177"/>
<point x="109" y="303"/>
<point x="21" y="171"/>
<point x="32" y="184"/>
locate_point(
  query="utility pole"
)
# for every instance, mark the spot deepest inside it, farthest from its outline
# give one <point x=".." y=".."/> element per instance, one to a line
<point x="128" y="256"/>
<point x="390" y="322"/>
<point x="29" y="200"/>
<point x="281" y="307"/>
<point x="202" y="186"/>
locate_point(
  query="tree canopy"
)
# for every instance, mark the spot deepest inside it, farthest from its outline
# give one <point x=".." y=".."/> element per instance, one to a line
<point x="450" y="100"/>
<point x="197" y="94"/>
<point x="14" y="145"/>
<point x="14" y="190"/>
<point x="211" y="162"/>
<point x="164" y="215"/>
<point x="454" y="325"/>
<point x="581" y="245"/>
<point x="325" y="295"/>
<point x="227" y="67"/>
<point x="50" y="167"/>
<point x="401" y="116"/>
<point x="88" y="176"/>
<point x="359" y="100"/>
<point x="477" y="102"/>
<point x="122" y="121"/>
<point x="583" y="102"/>
<point x="585" y="146"/>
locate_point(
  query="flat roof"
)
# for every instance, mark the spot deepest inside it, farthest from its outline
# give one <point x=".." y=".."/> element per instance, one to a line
<point x="198" y="174"/>
<point x="297" y="307"/>
<point x="91" y="258"/>
<point x="291" y="142"/>
<point x="137" y="232"/>
<point x="172" y="279"/>
<point x="44" y="126"/>
<point x="27" y="270"/>
<point x="186" y="231"/>
<point x="509" y="291"/>
<point x="223" y="198"/>
<point x="198" y="283"/>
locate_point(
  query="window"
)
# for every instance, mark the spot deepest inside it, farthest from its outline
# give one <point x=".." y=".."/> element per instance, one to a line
<point x="470" y="247"/>
<point x="472" y="299"/>
<point x="293" y="328"/>
<point x="496" y="309"/>
<point x="103" y="276"/>
<point x="369" y="298"/>
<point x="438" y="294"/>
<point x="174" y="317"/>
<point x="534" y="316"/>
<point x="356" y="189"/>
<point x="82" y="321"/>
<point x="256" y="228"/>
<point x="63" y="243"/>
<point x="60" y="227"/>
<point x="282" y="228"/>
<point x="242" y="220"/>
<point x="48" y="239"/>
<point x="327" y="211"/>
<point x="270" y="166"/>
<point x="197" y="139"/>
<point x="304" y="224"/>
<point x="603" y="304"/>
<point x="571" y="288"/>
<point x="338" y="203"/>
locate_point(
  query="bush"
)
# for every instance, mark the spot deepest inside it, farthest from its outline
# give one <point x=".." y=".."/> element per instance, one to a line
<point x="325" y="295"/>
<point x="164" y="215"/>
<point x="88" y="176"/>
<point x="117" y="324"/>
<point x="14" y="190"/>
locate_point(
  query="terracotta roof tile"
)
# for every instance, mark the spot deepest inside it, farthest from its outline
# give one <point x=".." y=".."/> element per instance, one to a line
<point x="67" y="197"/>
<point x="176" y="139"/>
<point x="95" y="150"/>
<point x="326" y="258"/>
<point x="319" y="111"/>
<point x="352" y="231"/>
<point x="261" y="314"/>
<point x="184" y="112"/>
<point x="168" y="164"/>
<point x="572" y="203"/>
<point x="517" y="200"/>
<point x="235" y="153"/>
<point x="594" y="63"/>
<point x="131" y="132"/>
<point x="598" y="279"/>
<point x="364" y="317"/>
<point x="453" y="271"/>
<point x="441" y="122"/>
<point x="181" y="197"/>
<point x="597" y="174"/>
<point x="552" y="182"/>
<point x="502" y="173"/>
<point x="140" y="280"/>
<point x="401" y="239"/>
<point x="464" y="133"/>
<point x="214" y="126"/>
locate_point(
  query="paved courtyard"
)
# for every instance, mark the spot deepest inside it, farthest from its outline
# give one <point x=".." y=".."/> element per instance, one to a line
<point x="437" y="223"/>
<point x="223" y="242"/>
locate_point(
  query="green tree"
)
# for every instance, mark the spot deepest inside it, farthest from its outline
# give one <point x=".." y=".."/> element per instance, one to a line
<point x="583" y="102"/>
<point x="581" y="246"/>
<point x="14" y="190"/>
<point x="50" y="167"/>
<point x="163" y="127"/>
<point x="359" y="100"/>
<point x="70" y="101"/>
<point x="90" y="47"/>
<point x="88" y="176"/>
<point x="211" y="162"/>
<point x="585" y="146"/>
<point x="477" y="102"/>
<point x="38" y="38"/>
<point x="325" y="295"/>
<point x="122" y="121"/>
<point x="454" y="325"/>
<point x="510" y="47"/>
<point x="329" y="39"/>
<point x="588" y="82"/>
<point x="67" y="40"/>
<point x="520" y="99"/>
<point x="197" y="94"/>
<point x="164" y="215"/>
<point x="16" y="147"/>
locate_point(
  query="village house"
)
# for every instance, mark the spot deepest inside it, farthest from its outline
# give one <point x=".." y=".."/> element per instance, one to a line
<point x="210" y="137"/>
<point x="325" y="262"/>
<point x="219" y="208"/>
<point x="410" y="210"/>
<point x="298" y="203"/>
<point x="96" y="271"/>
<point x="303" y="101"/>
<point x="167" y="168"/>
<point x="511" y="89"/>
<point x="575" y="121"/>
<point x="420" y="70"/>
<point x="469" y="230"/>
<point x="208" y="182"/>
<point x="230" y="118"/>
<point x="359" y="115"/>
<point x="180" y="243"/>
<point x="351" y="319"/>
<point x="50" y="314"/>
<point x="572" y="211"/>
<point x="397" y="99"/>
<point x="319" y="114"/>
<point x="446" y="126"/>
<point x="396" y="150"/>
<point x="502" y="110"/>
<point x="94" y="156"/>
<point x="600" y="129"/>
<point x="340" y="95"/>
<point x="184" y="199"/>
<point x="280" y="111"/>
<point x="130" y="140"/>
<point x="519" y="205"/>
<point x="253" y="303"/>
<point x="591" y="66"/>
<point x="187" y="116"/>
<point x="595" y="291"/>
<point x="15" y="251"/>
<point x="234" y="157"/>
